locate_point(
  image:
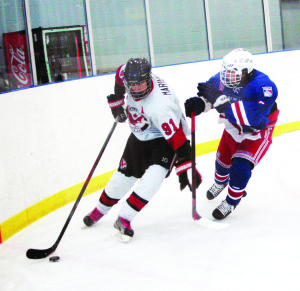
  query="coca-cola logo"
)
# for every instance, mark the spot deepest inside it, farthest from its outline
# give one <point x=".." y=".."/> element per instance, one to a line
<point x="18" y="65"/>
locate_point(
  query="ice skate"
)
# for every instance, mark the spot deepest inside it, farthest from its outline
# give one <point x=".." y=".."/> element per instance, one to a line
<point x="93" y="217"/>
<point x="215" y="190"/>
<point x="124" y="231"/>
<point x="223" y="210"/>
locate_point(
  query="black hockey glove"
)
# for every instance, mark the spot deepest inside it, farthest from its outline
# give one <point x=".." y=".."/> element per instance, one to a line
<point x="214" y="96"/>
<point x="183" y="167"/>
<point x="194" y="104"/>
<point x="116" y="106"/>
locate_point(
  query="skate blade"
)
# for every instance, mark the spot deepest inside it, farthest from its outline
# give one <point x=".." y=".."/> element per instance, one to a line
<point x="211" y="224"/>
<point x="121" y="237"/>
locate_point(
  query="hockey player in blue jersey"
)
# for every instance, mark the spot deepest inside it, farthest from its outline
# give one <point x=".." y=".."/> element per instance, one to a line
<point x="245" y="99"/>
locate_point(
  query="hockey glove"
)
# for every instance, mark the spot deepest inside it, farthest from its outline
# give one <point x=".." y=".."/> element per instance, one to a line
<point x="214" y="96"/>
<point x="183" y="167"/>
<point x="116" y="106"/>
<point x="197" y="104"/>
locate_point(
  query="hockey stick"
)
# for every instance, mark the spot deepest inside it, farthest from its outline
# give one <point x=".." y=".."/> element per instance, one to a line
<point x="39" y="254"/>
<point x="196" y="216"/>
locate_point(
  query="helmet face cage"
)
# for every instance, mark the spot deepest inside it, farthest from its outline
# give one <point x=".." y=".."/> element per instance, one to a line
<point x="137" y="78"/>
<point x="236" y="66"/>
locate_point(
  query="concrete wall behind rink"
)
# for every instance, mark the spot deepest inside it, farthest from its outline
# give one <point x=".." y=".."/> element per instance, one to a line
<point x="52" y="134"/>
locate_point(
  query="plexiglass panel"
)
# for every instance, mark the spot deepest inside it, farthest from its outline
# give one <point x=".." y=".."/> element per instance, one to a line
<point x="237" y="24"/>
<point x="119" y="32"/>
<point x="276" y="28"/>
<point x="290" y="13"/>
<point x="179" y="31"/>
<point x="15" y="69"/>
<point x="60" y="40"/>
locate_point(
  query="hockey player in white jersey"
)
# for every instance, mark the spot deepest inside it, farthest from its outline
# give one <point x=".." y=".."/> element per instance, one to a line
<point x="158" y="137"/>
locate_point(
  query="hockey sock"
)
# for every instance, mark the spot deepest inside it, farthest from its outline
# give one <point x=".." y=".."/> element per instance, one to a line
<point x="106" y="203"/>
<point x="240" y="174"/>
<point x="118" y="186"/>
<point x="221" y="174"/>
<point x="136" y="202"/>
<point x="132" y="206"/>
<point x="146" y="188"/>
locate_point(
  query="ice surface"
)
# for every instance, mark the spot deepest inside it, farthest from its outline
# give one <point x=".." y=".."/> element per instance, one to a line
<point x="259" y="250"/>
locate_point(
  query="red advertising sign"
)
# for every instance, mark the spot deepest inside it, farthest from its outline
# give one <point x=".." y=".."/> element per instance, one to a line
<point x="16" y="56"/>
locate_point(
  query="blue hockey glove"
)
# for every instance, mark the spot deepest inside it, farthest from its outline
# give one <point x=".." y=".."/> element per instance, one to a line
<point x="214" y="96"/>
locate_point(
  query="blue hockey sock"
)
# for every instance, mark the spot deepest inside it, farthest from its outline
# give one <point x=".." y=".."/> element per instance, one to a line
<point x="240" y="174"/>
<point x="221" y="174"/>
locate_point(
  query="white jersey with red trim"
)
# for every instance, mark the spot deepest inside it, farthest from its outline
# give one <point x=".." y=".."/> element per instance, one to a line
<point x="157" y="115"/>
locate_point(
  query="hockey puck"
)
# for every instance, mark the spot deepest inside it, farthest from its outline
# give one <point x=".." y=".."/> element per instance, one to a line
<point x="54" y="259"/>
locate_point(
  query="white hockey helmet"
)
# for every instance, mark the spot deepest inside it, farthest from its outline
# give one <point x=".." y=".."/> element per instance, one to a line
<point x="236" y="66"/>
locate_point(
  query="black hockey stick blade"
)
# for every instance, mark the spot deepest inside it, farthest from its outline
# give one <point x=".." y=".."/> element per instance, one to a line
<point x="40" y="254"/>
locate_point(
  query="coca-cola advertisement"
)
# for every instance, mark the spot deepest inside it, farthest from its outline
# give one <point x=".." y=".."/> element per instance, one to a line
<point x="17" y="60"/>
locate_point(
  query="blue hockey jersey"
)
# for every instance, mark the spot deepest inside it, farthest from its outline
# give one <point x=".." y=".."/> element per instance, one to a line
<point x="246" y="117"/>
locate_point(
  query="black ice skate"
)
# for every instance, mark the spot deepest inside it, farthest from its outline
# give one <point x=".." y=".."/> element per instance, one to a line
<point x="93" y="217"/>
<point x="223" y="210"/>
<point x="124" y="231"/>
<point x="215" y="190"/>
